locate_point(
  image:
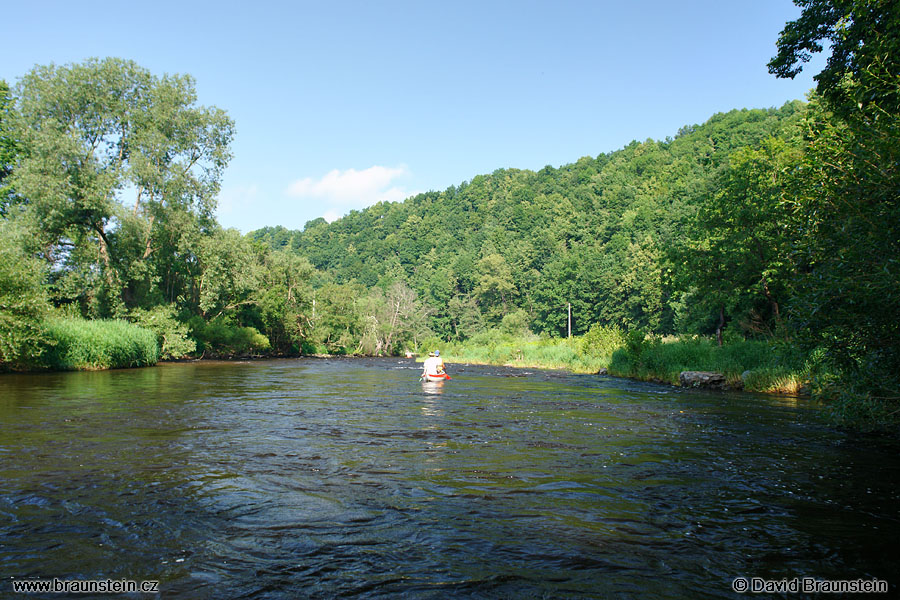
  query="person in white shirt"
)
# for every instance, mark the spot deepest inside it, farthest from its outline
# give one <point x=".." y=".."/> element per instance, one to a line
<point x="433" y="365"/>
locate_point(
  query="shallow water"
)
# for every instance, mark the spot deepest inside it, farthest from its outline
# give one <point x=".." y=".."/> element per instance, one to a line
<point x="322" y="478"/>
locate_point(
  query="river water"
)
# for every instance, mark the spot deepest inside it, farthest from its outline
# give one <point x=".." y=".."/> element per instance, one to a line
<point x="317" y="478"/>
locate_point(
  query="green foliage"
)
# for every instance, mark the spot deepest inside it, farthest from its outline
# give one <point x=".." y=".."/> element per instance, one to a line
<point x="92" y="130"/>
<point x="220" y="338"/>
<point x="282" y="321"/>
<point x="863" y="38"/>
<point x="391" y="321"/>
<point x="10" y="149"/>
<point x="762" y="366"/>
<point x="847" y="214"/>
<point x="336" y="323"/>
<point x="849" y="223"/>
<point x="171" y="334"/>
<point x="591" y="233"/>
<point x="227" y="273"/>
<point x="600" y="342"/>
<point x="23" y="301"/>
<point x="738" y="253"/>
<point x="516" y="324"/>
<point x="79" y="344"/>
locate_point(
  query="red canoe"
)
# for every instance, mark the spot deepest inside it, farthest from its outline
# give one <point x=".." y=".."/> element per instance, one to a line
<point x="440" y="377"/>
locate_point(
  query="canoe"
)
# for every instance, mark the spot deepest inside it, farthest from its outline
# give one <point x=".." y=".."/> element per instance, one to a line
<point x="440" y="377"/>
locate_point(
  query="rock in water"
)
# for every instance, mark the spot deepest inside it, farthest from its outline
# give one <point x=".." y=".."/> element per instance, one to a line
<point x="702" y="379"/>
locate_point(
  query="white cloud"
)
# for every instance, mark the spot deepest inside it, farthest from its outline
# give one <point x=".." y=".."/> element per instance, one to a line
<point x="341" y="191"/>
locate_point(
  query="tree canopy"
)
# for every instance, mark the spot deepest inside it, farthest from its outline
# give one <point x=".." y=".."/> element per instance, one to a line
<point x="113" y="155"/>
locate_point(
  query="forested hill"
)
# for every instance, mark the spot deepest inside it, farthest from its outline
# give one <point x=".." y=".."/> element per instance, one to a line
<point x="598" y="233"/>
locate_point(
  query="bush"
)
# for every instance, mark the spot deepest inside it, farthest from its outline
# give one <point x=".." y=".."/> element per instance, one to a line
<point x="516" y="323"/>
<point x="23" y="302"/>
<point x="79" y="344"/>
<point x="171" y="334"/>
<point x="220" y="338"/>
<point x="600" y="342"/>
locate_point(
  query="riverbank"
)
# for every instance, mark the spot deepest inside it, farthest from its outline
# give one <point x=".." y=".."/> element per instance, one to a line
<point x="755" y="366"/>
<point x="79" y="344"/>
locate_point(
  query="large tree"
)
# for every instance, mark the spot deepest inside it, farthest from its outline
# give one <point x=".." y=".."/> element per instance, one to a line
<point x="112" y="152"/>
<point x="9" y="148"/>
<point x="863" y="37"/>
<point x="736" y="259"/>
<point x="848" y="212"/>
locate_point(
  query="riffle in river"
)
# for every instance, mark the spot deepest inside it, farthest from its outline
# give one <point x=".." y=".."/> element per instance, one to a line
<point x="318" y="478"/>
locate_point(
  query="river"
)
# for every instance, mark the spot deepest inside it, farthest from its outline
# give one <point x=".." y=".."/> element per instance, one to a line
<point x="317" y="478"/>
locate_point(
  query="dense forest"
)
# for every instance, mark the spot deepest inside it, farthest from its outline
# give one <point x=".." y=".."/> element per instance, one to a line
<point x="779" y="225"/>
<point x="600" y="233"/>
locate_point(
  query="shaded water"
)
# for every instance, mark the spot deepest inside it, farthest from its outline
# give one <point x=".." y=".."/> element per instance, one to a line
<point x="322" y="478"/>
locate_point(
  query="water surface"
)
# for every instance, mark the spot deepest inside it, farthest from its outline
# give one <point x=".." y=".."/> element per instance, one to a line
<point x="322" y="478"/>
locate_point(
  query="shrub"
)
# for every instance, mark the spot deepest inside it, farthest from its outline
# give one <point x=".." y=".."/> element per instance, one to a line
<point x="516" y="323"/>
<point x="23" y="302"/>
<point x="600" y="342"/>
<point x="171" y="334"/>
<point x="220" y="338"/>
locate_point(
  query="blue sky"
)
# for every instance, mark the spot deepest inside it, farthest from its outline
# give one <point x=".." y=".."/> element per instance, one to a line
<point x="341" y="104"/>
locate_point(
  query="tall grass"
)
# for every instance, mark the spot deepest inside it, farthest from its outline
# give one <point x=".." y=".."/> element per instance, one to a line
<point x="753" y="365"/>
<point x="79" y="344"/>
<point x="495" y="347"/>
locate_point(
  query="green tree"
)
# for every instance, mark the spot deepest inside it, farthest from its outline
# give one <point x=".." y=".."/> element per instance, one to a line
<point x="495" y="289"/>
<point x="849" y="244"/>
<point x="284" y="300"/>
<point x="172" y="336"/>
<point x="9" y="149"/>
<point x="863" y="38"/>
<point x="336" y="321"/>
<point x="465" y="318"/>
<point x="391" y="320"/>
<point x="96" y="131"/>
<point x="228" y="273"/>
<point x="23" y="301"/>
<point x="738" y="256"/>
<point x="847" y="213"/>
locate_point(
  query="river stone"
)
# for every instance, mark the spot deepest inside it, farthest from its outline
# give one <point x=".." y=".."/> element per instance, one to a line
<point x="704" y="379"/>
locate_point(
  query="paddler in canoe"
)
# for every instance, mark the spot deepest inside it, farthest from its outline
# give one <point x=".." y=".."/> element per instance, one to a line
<point x="433" y="367"/>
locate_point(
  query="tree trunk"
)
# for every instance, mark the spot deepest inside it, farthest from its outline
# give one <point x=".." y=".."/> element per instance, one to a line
<point x="721" y="325"/>
<point x="109" y="272"/>
<point x="775" y="312"/>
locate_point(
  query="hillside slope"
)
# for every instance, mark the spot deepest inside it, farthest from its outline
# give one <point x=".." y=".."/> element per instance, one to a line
<point x="595" y="233"/>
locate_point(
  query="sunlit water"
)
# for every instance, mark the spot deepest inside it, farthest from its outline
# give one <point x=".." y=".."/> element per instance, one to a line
<point x="322" y="478"/>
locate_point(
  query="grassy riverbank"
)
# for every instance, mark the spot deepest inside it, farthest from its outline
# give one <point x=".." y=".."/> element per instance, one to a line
<point x="79" y="344"/>
<point x="752" y="365"/>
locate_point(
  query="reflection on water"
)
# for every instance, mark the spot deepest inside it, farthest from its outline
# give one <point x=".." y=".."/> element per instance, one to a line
<point x="432" y="388"/>
<point x="317" y="478"/>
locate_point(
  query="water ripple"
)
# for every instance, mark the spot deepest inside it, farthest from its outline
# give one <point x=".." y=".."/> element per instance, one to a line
<point x="324" y="478"/>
